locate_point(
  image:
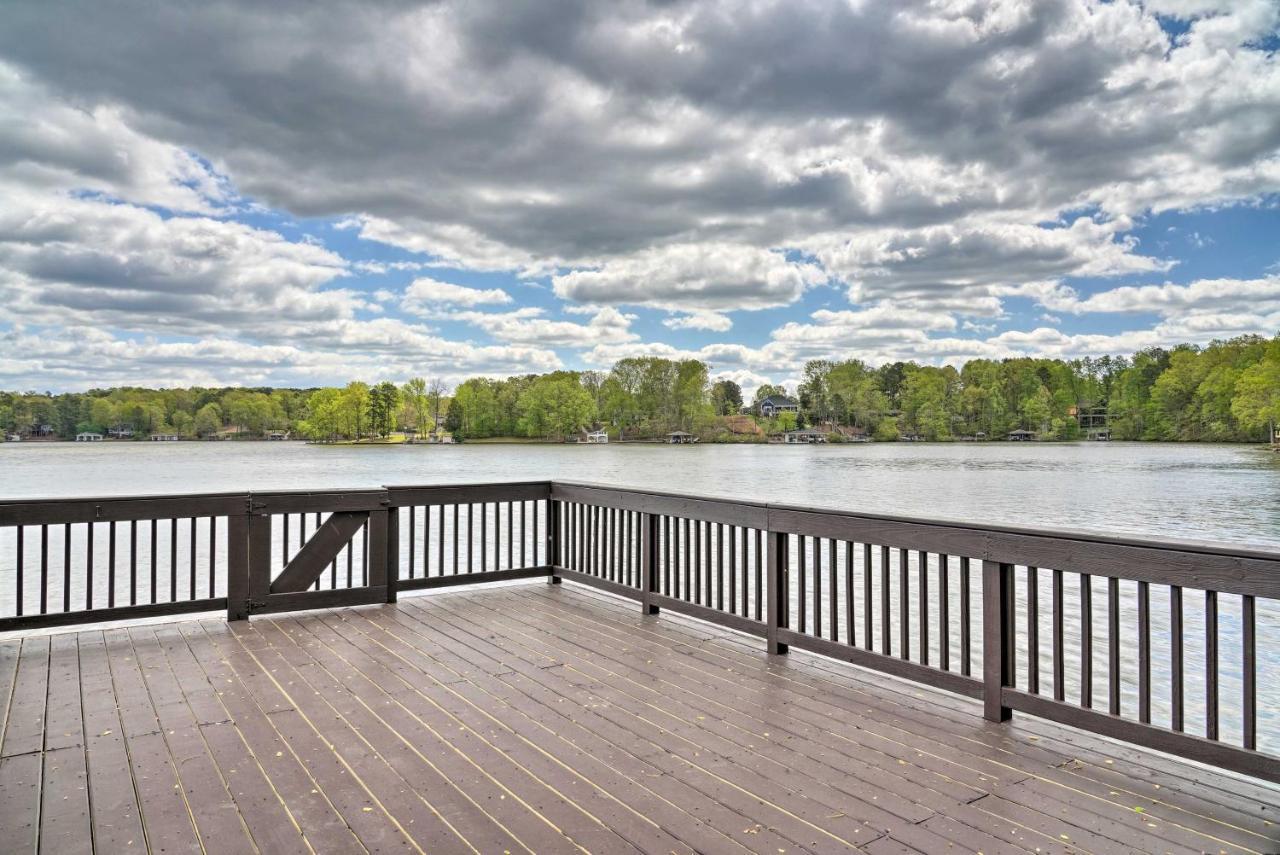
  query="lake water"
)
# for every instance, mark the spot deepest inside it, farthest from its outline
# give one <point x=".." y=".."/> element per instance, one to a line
<point x="1210" y="492"/>
<point x="1229" y="494"/>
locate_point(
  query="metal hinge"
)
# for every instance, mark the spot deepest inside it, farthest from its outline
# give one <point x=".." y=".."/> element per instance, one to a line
<point x="250" y="505"/>
<point x="255" y="604"/>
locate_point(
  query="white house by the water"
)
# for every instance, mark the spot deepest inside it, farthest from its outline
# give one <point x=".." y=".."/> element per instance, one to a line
<point x="88" y="436"/>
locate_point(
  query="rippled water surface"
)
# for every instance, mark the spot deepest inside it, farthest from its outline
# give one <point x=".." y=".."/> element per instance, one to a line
<point x="1208" y="492"/>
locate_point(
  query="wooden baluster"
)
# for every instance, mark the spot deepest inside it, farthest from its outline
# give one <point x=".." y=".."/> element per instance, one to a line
<point x="111" y="563"/>
<point x="511" y="529"/>
<point x="1086" y="640"/>
<point x="733" y="572"/>
<point x="719" y="540"/>
<point x="867" y="597"/>
<point x="885" y="631"/>
<point x="173" y="560"/>
<point x="413" y="541"/>
<point x="133" y="562"/>
<point x="456" y="514"/>
<point x="850" y="610"/>
<point x="759" y="562"/>
<point x="966" y="615"/>
<point x="833" y="575"/>
<point x="944" y="614"/>
<point x="1059" y="654"/>
<point x="154" y="554"/>
<point x="689" y="531"/>
<point x="88" y="566"/>
<point x="1211" y="665"/>
<point x="1249" y="672"/>
<point x="1033" y="630"/>
<point x="191" y="589"/>
<point x="816" y="562"/>
<point x="440" y="541"/>
<point x="801" y="576"/>
<point x="213" y="552"/>
<point x="66" y="567"/>
<point x="904" y="605"/>
<point x="922" y="606"/>
<point x="19" y="594"/>
<point x="697" y="562"/>
<point x="1113" y="646"/>
<point x="1144" y="652"/>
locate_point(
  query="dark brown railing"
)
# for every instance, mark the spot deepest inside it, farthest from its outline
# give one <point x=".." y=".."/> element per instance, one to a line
<point x="1135" y="639"/>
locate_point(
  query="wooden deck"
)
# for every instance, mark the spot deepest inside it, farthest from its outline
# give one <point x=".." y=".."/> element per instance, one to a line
<point x="550" y="719"/>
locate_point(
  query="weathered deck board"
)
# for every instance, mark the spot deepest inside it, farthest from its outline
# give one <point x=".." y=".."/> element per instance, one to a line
<point x="550" y="719"/>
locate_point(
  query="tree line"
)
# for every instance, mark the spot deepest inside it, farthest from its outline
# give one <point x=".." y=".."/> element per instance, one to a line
<point x="1228" y="391"/>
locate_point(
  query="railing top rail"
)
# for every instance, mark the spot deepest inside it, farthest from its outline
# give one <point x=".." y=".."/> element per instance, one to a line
<point x="119" y="508"/>
<point x="534" y="482"/>
<point x="126" y="497"/>
<point x="1171" y="544"/>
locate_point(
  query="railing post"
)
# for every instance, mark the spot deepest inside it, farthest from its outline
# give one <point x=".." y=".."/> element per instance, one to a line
<point x="238" y="565"/>
<point x="553" y="538"/>
<point x="393" y="553"/>
<point x="997" y="638"/>
<point x="648" y="563"/>
<point x="779" y="589"/>
<point x="379" y="557"/>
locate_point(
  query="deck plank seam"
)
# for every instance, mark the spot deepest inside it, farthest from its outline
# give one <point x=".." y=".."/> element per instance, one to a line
<point x="695" y="746"/>
<point x="500" y="724"/>
<point x="324" y="740"/>
<point x="657" y="748"/>
<point x="440" y="736"/>
<point x="1210" y="818"/>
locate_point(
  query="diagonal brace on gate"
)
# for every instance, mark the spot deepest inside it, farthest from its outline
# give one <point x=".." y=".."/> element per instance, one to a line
<point x="319" y="551"/>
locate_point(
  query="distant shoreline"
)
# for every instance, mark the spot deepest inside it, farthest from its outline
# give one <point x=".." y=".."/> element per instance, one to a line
<point x="519" y="440"/>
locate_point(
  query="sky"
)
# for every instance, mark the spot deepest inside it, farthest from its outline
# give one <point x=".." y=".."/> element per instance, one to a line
<point x="306" y="192"/>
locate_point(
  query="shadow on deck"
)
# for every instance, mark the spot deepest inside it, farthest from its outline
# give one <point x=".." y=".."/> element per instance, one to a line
<point x="551" y="719"/>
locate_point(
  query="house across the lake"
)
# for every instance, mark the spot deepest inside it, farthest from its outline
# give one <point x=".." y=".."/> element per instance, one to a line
<point x="281" y="435"/>
<point x="679" y="437"/>
<point x="88" y="436"/>
<point x="1021" y="436"/>
<point x="597" y="437"/>
<point x="775" y="404"/>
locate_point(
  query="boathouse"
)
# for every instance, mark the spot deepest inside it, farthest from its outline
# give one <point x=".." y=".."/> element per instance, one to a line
<point x="804" y="436"/>
<point x="679" y="437"/>
<point x="88" y="436"/>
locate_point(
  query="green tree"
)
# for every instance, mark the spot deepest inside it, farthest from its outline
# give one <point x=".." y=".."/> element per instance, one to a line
<point x="556" y="405"/>
<point x="1256" y="403"/>
<point x="208" y="420"/>
<point x="726" y="397"/>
